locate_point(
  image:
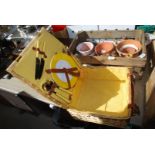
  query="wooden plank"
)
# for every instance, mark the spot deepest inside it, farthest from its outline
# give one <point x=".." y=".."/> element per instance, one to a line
<point x="119" y="61"/>
<point x="139" y="100"/>
<point x="153" y="52"/>
<point x="114" y="34"/>
<point x="150" y="97"/>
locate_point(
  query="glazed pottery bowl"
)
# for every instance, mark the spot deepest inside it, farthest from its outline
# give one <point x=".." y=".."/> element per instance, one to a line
<point x="85" y="48"/>
<point x="129" y="48"/>
<point x="104" y="48"/>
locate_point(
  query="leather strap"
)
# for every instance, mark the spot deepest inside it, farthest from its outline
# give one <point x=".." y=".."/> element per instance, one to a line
<point x="72" y="71"/>
<point x="40" y="52"/>
<point x="52" y="88"/>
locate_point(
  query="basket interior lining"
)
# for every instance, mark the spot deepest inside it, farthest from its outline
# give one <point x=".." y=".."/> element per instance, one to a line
<point x="103" y="96"/>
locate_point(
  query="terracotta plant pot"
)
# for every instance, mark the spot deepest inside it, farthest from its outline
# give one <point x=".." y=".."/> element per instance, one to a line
<point x="129" y="48"/>
<point x="85" y="48"/>
<point x="104" y="48"/>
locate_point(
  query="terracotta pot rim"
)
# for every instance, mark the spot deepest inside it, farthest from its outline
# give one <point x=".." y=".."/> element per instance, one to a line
<point x="130" y="42"/>
<point x="107" y="52"/>
<point x="85" y="52"/>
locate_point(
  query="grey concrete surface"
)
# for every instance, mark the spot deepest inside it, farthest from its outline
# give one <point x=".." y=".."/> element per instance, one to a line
<point x="13" y="118"/>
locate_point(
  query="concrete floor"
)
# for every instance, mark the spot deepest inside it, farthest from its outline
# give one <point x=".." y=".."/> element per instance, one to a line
<point x="46" y="118"/>
<point x="13" y="118"/>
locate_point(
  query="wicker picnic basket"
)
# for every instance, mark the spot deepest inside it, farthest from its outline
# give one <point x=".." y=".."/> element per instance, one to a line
<point x="101" y="95"/>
